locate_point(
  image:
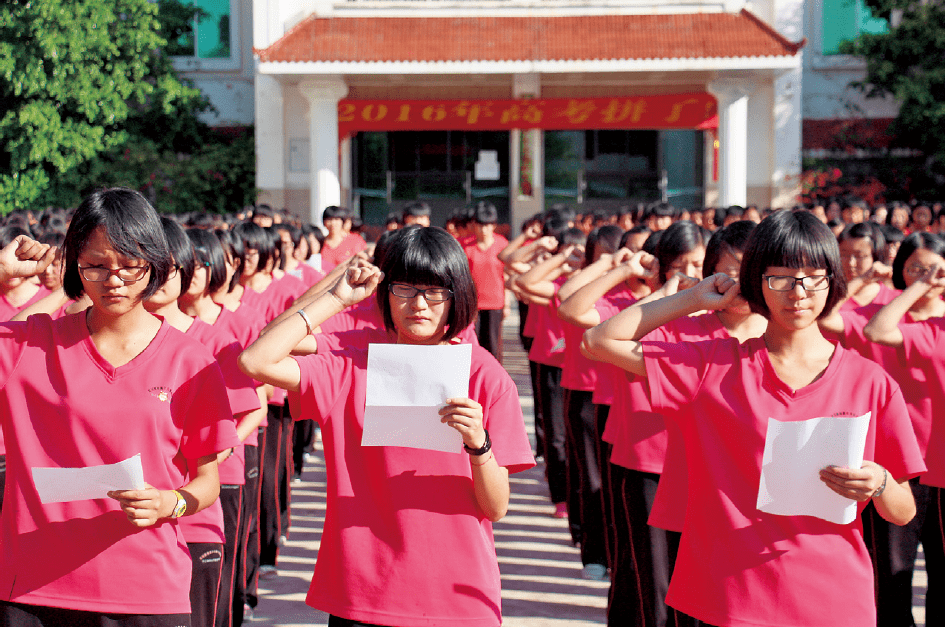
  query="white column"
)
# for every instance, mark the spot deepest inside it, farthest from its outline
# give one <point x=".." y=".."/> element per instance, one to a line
<point x="270" y="135"/>
<point x="522" y="206"/>
<point x="733" y="140"/>
<point x="325" y="187"/>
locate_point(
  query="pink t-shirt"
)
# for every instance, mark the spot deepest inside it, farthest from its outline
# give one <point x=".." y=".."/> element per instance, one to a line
<point x="7" y="310"/>
<point x="924" y="346"/>
<point x="367" y="315"/>
<point x="271" y="302"/>
<point x="913" y="379"/>
<point x="404" y="540"/>
<point x="351" y="244"/>
<point x="487" y="272"/>
<point x="738" y="566"/>
<point x="884" y="296"/>
<point x="669" y="505"/>
<point x="63" y="405"/>
<point x="548" y="347"/>
<point x="245" y="323"/>
<point x="308" y="275"/>
<point x="613" y="302"/>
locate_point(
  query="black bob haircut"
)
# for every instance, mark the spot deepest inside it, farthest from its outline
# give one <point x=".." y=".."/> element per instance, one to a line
<point x="131" y="225"/>
<point x="680" y="238"/>
<point x="209" y="251"/>
<point x="790" y="239"/>
<point x="232" y="248"/>
<point x="870" y="231"/>
<point x="912" y="243"/>
<point x="254" y="237"/>
<point x="605" y="239"/>
<point x="181" y="250"/>
<point x="728" y="239"/>
<point x="428" y="255"/>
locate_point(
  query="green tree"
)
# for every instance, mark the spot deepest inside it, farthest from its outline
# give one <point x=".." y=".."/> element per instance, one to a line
<point x="71" y="75"/>
<point x="908" y="64"/>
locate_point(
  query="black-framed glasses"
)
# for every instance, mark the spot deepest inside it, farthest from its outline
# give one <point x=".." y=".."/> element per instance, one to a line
<point x="431" y="294"/>
<point x="814" y="283"/>
<point x="127" y="274"/>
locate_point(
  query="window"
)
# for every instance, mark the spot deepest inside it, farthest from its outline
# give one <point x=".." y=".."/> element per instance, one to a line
<point x="203" y="33"/>
<point x="845" y="19"/>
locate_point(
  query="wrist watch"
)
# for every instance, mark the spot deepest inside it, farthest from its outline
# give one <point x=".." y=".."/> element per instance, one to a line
<point x="181" y="508"/>
<point x="486" y="446"/>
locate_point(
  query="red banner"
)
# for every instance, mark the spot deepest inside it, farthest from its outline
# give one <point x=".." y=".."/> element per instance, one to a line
<point x="677" y="111"/>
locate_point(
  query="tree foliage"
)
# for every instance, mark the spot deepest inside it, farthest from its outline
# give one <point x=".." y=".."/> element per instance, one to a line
<point x="908" y="63"/>
<point x="88" y="98"/>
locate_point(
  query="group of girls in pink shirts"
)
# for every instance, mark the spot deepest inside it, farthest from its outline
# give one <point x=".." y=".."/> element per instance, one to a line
<point x="690" y="372"/>
<point x="157" y="346"/>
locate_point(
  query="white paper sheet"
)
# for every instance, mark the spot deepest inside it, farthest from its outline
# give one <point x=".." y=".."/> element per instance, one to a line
<point x="407" y="386"/>
<point x="795" y="452"/>
<point x="60" y="485"/>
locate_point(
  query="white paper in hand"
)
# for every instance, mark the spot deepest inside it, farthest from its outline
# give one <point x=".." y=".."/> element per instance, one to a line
<point x="61" y="485"/>
<point x="407" y="385"/>
<point x="795" y="452"/>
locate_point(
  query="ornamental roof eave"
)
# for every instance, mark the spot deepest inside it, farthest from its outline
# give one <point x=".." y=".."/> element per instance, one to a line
<point x="314" y="68"/>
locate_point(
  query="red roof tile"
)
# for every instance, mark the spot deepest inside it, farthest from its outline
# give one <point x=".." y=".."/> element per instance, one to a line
<point x="537" y="38"/>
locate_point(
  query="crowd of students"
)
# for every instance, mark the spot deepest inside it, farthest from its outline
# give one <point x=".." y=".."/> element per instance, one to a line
<point x="660" y="344"/>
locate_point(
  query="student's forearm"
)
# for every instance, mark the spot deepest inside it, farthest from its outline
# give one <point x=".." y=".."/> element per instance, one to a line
<point x="896" y="504"/>
<point x="585" y="276"/>
<point x="201" y="491"/>
<point x="267" y="359"/>
<point x="883" y="328"/>
<point x="579" y="308"/>
<point x="309" y="296"/>
<point x="47" y="304"/>
<point x="491" y="485"/>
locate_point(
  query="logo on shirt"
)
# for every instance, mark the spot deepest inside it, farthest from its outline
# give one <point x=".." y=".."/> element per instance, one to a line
<point x="843" y="414"/>
<point x="161" y="393"/>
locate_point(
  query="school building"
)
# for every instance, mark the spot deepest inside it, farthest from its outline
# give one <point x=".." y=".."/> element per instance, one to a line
<point x="598" y="103"/>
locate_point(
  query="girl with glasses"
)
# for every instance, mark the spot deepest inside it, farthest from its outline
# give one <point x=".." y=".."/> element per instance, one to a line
<point x="910" y="329"/>
<point x="96" y="388"/>
<point x="738" y="565"/>
<point x="408" y="534"/>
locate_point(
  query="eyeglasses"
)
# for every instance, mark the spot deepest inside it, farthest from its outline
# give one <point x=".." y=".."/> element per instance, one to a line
<point x="127" y="274"/>
<point x="431" y="294"/>
<point x="814" y="283"/>
<point x="916" y="270"/>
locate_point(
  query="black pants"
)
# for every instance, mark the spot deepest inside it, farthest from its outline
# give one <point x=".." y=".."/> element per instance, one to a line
<point x="231" y="498"/>
<point x="552" y="416"/>
<point x="335" y="621"/>
<point x="19" y="615"/>
<point x="251" y="504"/>
<point x="207" y="558"/>
<point x="489" y="331"/>
<point x="893" y="550"/>
<point x="584" y="481"/>
<point x="3" y="477"/>
<point x="274" y="488"/>
<point x="643" y="565"/>
<point x="303" y="438"/>
<point x="604" y="449"/>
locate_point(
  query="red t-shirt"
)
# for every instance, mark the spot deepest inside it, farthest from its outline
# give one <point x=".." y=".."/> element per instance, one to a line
<point x="404" y="541"/>
<point x="924" y="346"/>
<point x="63" y="405"/>
<point x="613" y="302"/>
<point x="669" y="504"/>
<point x="548" y="347"/>
<point x="7" y="310"/>
<point x="739" y="566"/>
<point x="351" y="244"/>
<point x="884" y="296"/>
<point x="487" y="272"/>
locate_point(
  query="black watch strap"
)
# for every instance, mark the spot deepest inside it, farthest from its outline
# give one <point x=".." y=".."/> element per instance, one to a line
<point x="485" y="448"/>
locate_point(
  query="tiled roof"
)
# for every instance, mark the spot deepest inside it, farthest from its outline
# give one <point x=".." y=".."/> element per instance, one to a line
<point x="537" y="38"/>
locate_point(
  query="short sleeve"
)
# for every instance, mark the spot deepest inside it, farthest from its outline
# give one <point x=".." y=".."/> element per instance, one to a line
<point x="675" y="372"/>
<point x="920" y="339"/>
<point x="326" y="379"/>
<point x="491" y="386"/>
<point x="13" y="338"/>
<point x="201" y="405"/>
<point x="897" y="449"/>
<point x="240" y="387"/>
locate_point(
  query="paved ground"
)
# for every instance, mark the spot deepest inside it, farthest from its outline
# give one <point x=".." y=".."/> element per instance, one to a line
<point x="541" y="583"/>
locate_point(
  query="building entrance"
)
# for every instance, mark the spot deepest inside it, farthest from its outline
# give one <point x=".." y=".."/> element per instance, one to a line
<point x="447" y="169"/>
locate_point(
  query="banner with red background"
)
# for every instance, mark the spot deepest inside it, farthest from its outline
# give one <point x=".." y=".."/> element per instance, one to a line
<point x="696" y="111"/>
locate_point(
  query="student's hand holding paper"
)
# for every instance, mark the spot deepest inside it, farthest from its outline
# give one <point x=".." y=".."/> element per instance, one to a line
<point x="465" y="415"/>
<point x="857" y="484"/>
<point x="142" y="507"/>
